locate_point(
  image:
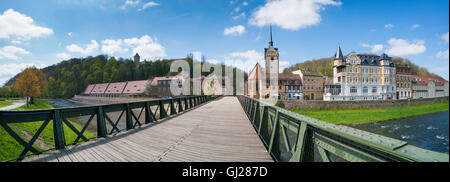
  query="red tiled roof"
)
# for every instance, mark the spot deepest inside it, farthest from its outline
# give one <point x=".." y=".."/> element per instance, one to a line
<point x="135" y="87"/>
<point x="427" y="79"/>
<point x="89" y="89"/>
<point x="288" y="76"/>
<point x="116" y="88"/>
<point x="100" y="88"/>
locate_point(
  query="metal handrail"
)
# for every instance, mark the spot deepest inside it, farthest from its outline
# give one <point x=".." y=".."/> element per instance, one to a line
<point x="59" y="118"/>
<point x="292" y="137"/>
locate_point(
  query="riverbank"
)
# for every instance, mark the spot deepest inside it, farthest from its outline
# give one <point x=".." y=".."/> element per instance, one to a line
<point x="5" y="103"/>
<point x="373" y="115"/>
<point x="10" y="148"/>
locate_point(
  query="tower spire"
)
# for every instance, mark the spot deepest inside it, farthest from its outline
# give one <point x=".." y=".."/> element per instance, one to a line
<point x="338" y="55"/>
<point x="271" y="42"/>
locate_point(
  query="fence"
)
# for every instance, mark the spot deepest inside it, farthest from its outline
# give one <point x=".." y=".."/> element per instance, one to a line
<point x="70" y="126"/>
<point x="293" y="137"/>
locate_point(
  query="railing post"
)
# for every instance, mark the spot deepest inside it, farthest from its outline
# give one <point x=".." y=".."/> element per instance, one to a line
<point x="305" y="150"/>
<point x="262" y="119"/>
<point x="129" y="119"/>
<point x="186" y="104"/>
<point x="172" y="108"/>
<point x="58" y="130"/>
<point x="101" y="125"/>
<point x="162" y="110"/>
<point x="180" y="107"/>
<point x="274" y="131"/>
<point x="256" y="112"/>
<point x="148" y="115"/>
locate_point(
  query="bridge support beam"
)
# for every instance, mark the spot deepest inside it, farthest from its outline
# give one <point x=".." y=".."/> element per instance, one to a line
<point x="101" y="125"/>
<point x="58" y="130"/>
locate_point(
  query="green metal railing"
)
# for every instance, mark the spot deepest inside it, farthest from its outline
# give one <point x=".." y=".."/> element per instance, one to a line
<point x="106" y="122"/>
<point x="293" y="137"/>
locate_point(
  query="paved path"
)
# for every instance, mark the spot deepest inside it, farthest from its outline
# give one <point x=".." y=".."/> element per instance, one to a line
<point x="14" y="105"/>
<point x="217" y="131"/>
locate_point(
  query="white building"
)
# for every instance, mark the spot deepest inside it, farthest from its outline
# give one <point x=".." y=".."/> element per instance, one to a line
<point x="362" y="77"/>
<point x="429" y="87"/>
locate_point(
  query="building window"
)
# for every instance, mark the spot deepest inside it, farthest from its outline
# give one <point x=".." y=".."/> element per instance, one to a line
<point x="365" y="90"/>
<point x="374" y="89"/>
<point x="353" y="89"/>
<point x="356" y="70"/>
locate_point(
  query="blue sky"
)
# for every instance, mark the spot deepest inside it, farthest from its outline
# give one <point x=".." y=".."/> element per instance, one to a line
<point x="43" y="33"/>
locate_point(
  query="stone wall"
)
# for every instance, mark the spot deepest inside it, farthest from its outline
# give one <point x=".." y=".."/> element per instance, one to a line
<point x="319" y="104"/>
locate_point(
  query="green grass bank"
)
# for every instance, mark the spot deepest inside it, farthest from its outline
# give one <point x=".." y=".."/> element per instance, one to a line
<point x="10" y="148"/>
<point x="4" y="103"/>
<point x="372" y="115"/>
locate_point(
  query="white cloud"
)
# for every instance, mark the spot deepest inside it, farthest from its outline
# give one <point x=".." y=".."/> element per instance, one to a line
<point x="415" y="26"/>
<point x="402" y="47"/>
<point x="374" y="48"/>
<point x="236" y="30"/>
<point x="16" y="42"/>
<point x="290" y="14"/>
<point x="10" y="52"/>
<point x="242" y="15"/>
<point x="111" y="46"/>
<point x="149" y="4"/>
<point x="69" y="34"/>
<point x="10" y="70"/>
<point x="19" y="26"/>
<point x="445" y="37"/>
<point x="130" y="3"/>
<point x="244" y="60"/>
<point x="245" y="3"/>
<point x="146" y="47"/>
<point x="90" y="48"/>
<point x="282" y="65"/>
<point x="237" y="9"/>
<point x="248" y="59"/>
<point x="388" y="26"/>
<point x="63" y="56"/>
<point x="442" y="54"/>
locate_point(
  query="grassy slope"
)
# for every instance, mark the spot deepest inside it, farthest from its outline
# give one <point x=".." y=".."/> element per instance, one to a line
<point x="5" y="103"/>
<point x="10" y="149"/>
<point x="371" y="115"/>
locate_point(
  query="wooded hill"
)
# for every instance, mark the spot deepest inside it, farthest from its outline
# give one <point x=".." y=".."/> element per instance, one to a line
<point x="325" y="66"/>
<point x="71" y="77"/>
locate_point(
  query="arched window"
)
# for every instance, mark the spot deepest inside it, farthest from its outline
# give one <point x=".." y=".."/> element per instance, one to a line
<point x="374" y="89"/>
<point x="365" y="90"/>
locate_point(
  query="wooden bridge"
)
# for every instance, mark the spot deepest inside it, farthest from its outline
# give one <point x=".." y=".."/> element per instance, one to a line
<point x="216" y="131"/>
<point x="200" y="129"/>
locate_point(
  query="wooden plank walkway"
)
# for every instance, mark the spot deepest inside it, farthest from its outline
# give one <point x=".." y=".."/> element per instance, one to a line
<point x="218" y="131"/>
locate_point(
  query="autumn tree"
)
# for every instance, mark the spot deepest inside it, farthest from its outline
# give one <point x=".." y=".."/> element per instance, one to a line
<point x="31" y="83"/>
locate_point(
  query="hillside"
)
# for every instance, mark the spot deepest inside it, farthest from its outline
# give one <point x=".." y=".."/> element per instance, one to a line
<point x="325" y="66"/>
<point x="71" y="77"/>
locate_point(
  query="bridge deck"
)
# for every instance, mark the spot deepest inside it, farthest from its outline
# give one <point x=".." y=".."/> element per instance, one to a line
<point x="217" y="131"/>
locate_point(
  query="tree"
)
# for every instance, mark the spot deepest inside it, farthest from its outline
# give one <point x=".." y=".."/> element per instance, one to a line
<point x="31" y="83"/>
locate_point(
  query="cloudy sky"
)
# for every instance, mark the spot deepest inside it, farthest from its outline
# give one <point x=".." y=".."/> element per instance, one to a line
<point x="43" y="33"/>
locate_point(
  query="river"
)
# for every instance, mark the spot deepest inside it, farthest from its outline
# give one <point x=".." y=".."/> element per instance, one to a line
<point x="427" y="131"/>
<point x="61" y="103"/>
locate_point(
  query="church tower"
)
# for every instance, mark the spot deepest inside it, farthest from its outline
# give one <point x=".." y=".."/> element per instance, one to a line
<point x="137" y="58"/>
<point x="271" y="56"/>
